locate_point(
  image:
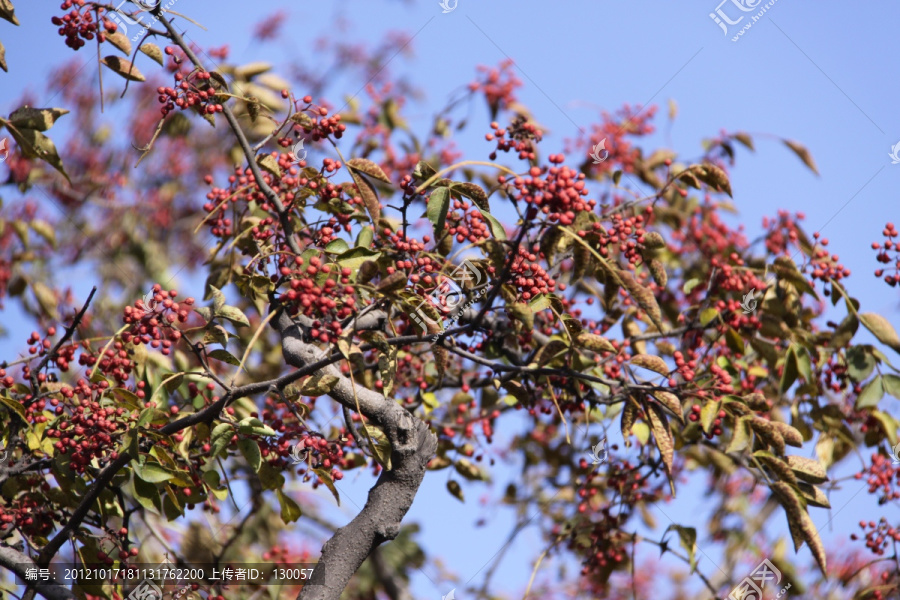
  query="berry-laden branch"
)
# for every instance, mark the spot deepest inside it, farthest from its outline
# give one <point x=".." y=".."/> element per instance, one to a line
<point x="70" y="331"/>
<point x="412" y="446"/>
<point x="283" y="215"/>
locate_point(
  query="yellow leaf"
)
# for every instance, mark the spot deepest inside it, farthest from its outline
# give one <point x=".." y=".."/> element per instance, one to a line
<point x="648" y="361"/>
<point x="801" y="151"/>
<point x="123" y="68"/>
<point x="153" y="51"/>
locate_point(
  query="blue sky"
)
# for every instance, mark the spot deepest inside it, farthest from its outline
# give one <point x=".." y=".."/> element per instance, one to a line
<point x="819" y="74"/>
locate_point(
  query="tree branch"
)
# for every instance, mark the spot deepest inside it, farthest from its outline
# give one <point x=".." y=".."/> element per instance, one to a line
<point x="18" y="563"/>
<point x="412" y="446"/>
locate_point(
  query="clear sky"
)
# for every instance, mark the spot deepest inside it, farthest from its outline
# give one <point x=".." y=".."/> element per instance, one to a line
<point x="817" y="73"/>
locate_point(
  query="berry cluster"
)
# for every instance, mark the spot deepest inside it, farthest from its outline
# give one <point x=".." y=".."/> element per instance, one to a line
<point x="39" y="346"/>
<point x="522" y="138"/>
<point x="883" y="476"/>
<point x="88" y="434"/>
<point x="31" y="512"/>
<point x="77" y="26"/>
<point x="316" y="123"/>
<point x="530" y="278"/>
<point x="783" y="232"/>
<point x="191" y="91"/>
<point x="556" y="191"/>
<point x="322" y="292"/>
<point x="153" y="324"/>
<point x="884" y="256"/>
<point x="627" y="233"/>
<point x="498" y="85"/>
<point x="467" y="225"/>
<point x="878" y="535"/>
<point x="825" y="266"/>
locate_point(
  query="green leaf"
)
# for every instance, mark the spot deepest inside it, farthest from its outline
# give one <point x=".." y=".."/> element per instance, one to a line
<point x="687" y="537"/>
<point x="14" y="406"/>
<point x="708" y="415"/>
<point x="337" y="246"/>
<point x="233" y="314"/>
<point x="252" y="425"/>
<point x="495" y="225"/>
<point x="325" y="476"/>
<point x="220" y="438"/>
<point x="214" y="482"/>
<point x="355" y="257"/>
<point x="147" y="495"/>
<point x="218" y="299"/>
<point x="173" y="382"/>
<point x="881" y="329"/>
<point x="35" y="144"/>
<point x="250" y="450"/>
<point x="888" y="425"/>
<point x="690" y="284"/>
<point x="381" y="446"/>
<point x="790" y="372"/>
<point x="860" y="363"/>
<point x="151" y="472"/>
<point x="707" y="315"/>
<point x="270" y="478"/>
<point x="891" y="385"/>
<point x="437" y="208"/>
<point x="740" y="439"/>
<point x="871" y="394"/>
<point x="290" y="510"/>
<point x="225" y="356"/>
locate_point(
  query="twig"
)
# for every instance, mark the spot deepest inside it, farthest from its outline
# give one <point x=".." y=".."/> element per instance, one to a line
<point x="70" y="331"/>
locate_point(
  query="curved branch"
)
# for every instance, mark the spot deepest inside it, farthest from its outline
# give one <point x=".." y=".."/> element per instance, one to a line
<point x="412" y="446"/>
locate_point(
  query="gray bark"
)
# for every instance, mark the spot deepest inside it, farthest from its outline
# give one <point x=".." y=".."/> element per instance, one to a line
<point x="412" y="446"/>
<point x="18" y="563"/>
